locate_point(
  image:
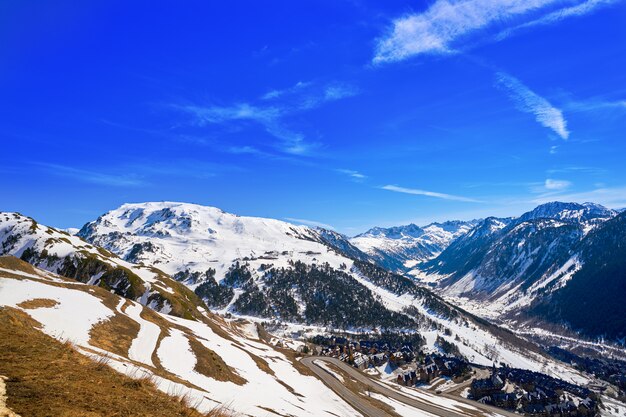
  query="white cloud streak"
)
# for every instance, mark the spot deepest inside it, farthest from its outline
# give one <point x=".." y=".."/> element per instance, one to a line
<point x="271" y="117"/>
<point x="433" y="194"/>
<point x="437" y="28"/>
<point x="596" y="105"/>
<point x="92" y="176"/>
<point x="530" y="102"/>
<point x="556" y="185"/>
<point x="558" y="15"/>
<point x="448" y="25"/>
<point x="312" y="223"/>
<point x="274" y="94"/>
<point x="355" y="175"/>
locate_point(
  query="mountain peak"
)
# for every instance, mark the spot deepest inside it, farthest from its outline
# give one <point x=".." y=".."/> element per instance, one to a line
<point x="568" y="212"/>
<point x="395" y="232"/>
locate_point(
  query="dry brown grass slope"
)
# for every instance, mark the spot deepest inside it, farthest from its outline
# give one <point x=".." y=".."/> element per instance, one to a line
<point x="49" y="378"/>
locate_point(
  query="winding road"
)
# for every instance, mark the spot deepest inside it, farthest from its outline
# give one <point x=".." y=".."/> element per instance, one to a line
<point x="462" y="408"/>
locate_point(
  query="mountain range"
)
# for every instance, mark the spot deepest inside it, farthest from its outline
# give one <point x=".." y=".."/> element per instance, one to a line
<point x="560" y="266"/>
<point x="562" y="263"/>
<point x="401" y="247"/>
<point x="311" y="280"/>
<point x="549" y="266"/>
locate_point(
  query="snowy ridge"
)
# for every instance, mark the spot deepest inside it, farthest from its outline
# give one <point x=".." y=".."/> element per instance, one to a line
<point x="59" y="252"/>
<point x="178" y="237"/>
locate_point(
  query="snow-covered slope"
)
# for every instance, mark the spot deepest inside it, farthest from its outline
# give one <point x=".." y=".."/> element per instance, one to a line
<point x="399" y="248"/>
<point x="70" y="256"/>
<point x="210" y="362"/>
<point x="512" y="264"/>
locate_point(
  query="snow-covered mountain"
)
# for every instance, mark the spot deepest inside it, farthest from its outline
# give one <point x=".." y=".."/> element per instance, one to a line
<point x="304" y="279"/>
<point x="400" y="248"/>
<point x="189" y="238"/>
<point x="571" y="212"/>
<point x="513" y="265"/>
<point x="266" y="269"/>
<point x="588" y="290"/>
<point x="247" y="265"/>
<point x="59" y="252"/>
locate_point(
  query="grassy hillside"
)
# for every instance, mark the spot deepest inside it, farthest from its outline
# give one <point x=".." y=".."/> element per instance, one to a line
<point x="48" y="378"/>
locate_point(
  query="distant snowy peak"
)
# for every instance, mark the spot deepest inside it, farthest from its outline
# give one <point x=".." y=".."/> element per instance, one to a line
<point x="526" y="263"/>
<point x="571" y="212"/>
<point x="398" y="248"/>
<point x="397" y="232"/>
<point x="487" y="227"/>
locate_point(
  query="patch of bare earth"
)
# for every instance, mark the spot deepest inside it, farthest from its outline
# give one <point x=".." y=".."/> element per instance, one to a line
<point x="114" y="335"/>
<point x="11" y="262"/>
<point x="210" y="364"/>
<point x="37" y="303"/>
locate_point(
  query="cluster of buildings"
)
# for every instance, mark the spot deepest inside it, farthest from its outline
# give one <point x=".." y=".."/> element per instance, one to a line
<point x="533" y="394"/>
<point x="364" y="353"/>
<point x="421" y="368"/>
<point x="434" y="366"/>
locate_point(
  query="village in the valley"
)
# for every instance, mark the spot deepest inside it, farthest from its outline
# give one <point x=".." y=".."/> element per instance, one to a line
<point x="526" y="392"/>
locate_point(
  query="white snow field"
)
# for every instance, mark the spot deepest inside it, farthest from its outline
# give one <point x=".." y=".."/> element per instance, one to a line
<point x="280" y="387"/>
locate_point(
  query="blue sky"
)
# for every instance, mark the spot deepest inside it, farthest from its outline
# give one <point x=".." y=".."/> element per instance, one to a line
<point x="342" y="113"/>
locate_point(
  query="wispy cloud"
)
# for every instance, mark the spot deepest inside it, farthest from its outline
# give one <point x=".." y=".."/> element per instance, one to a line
<point x="596" y="104"/>
<point x="93" y="176"/>
<point x="140" y="173"/>
<point x="556" y="16"/>
<point x="447" y="26"/>
<point x="355" y="175"/>
<point x="530" y="102"/>
<point x="272" y="116"/>
<point x="414" y="191"/>
<point x="436" y="29"/>
<point x="549" y="187"/>
<point x="577" y="169"/>
<point x="339" y="91"/>
<point x="556" y="185"/>
<point x="309" y="223"/>
<point x="331" y="92"/>
<point x="274" y="94"/>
